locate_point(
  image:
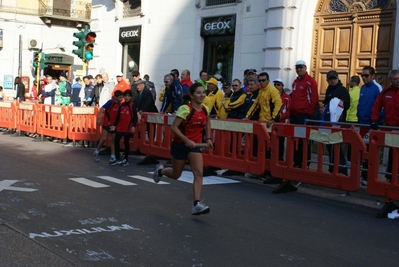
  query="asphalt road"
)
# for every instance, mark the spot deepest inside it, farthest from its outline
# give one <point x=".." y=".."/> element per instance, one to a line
<point x="134" y="222"/>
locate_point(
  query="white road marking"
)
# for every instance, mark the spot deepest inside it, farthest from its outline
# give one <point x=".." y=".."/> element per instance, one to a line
<point x="188" y="177"/>
<point x="146" y="179"/>
<point x="88" y="182"/>
<point x="6" y="185"/>
<point x="115" y="180"/>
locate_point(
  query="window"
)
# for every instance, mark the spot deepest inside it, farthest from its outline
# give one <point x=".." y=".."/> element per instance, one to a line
<point x="220" y="2"/>
<point x="131" y="8"/>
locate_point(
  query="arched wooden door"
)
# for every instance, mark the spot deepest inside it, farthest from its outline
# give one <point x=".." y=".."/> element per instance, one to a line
<point x="349" y="35"/>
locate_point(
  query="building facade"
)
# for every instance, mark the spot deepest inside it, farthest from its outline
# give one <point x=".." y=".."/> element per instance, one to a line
<point x="222" y="36"/>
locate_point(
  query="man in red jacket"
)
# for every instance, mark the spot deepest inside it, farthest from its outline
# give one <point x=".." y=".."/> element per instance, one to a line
<point x="305" y="98"/>
<point x="388" y="99"/>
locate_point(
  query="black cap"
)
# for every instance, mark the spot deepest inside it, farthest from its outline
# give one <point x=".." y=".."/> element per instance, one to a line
<point x="226" y="84"/>
<point x="332" y="73"/>
<point x="252" y="70"/>
<point x="90" y="76"/>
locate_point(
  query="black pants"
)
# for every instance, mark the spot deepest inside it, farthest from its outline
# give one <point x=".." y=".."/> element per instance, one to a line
<point x="118" y="137"/>
<point x="298" y="158"/>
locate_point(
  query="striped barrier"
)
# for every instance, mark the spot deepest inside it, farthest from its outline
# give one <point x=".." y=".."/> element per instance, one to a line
<point x="327" y="173"/>
<point x="8" y="112"/>
<point x="82" y="124"/>
<point x="51" y="121"/>
<point x="377" y="184"/>
<point x="26" y="117"/>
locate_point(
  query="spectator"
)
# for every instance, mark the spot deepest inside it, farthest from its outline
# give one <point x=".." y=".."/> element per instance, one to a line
<point x="151" y="86"/>
<point x="251" y="97"/>
<point x="284" y="115"/>
<point x="214" y="97"/>
<point x="87" y="90"/>
<point x="98" y="87"/>
<point x="106" y="92"/>
<point x="368" y="94"/>
<point x="161" y="99"/>
<point x="136" y="77"/>
<point x="268" y="101"/>
<point x="236" y="107"/>
<point x="173" y="94"/>
<point x="124" y="126"/>
<point x="335" y="93"/>
<point x="33" y="92"/>
<point x="388" y="100"/>
<point x="185" y="81"/>
<point x="305" y="99"/>
<point x="175" y="73"/>
<point x="245" y="86"/>
<point x="203" y="77"/>
<point x="351" y="115"/>
<point x="110" y="110"/>
<point x="121" y="84"/>
<point x="19" y="89"/>
<point x="49" y="91"/>
<point x="2" y="95"/>
<point x="64" y="91"/>
<point x="127" y="80"/>
<point x="144" y="103"/>
<point x="76" y="87"/>
<point x="227" y="92"/>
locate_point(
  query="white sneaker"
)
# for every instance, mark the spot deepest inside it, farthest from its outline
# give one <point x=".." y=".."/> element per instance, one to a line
<point x="96" y="157"/>
<point x="155" y="175"/>
<point x="363" y="181"/>
<point x="199" y="209"/>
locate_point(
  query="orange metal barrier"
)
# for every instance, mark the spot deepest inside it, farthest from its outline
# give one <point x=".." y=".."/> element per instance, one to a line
<point x="8" y="111"/>
<point x="375" y="185"/>
<point x="159" y="126"/>
<point x="26" y="117"/>
<point x="51" y="121"/>
<point x="82" y="124"/>
<point x="239" y="145"/>
<point x="321" y="135"/>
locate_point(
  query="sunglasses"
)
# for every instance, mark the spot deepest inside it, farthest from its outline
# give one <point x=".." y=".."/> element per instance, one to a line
<point x="365" y="75"/>
<point x="262" y="80"/>
<point x="135" y="76"/>
<point x="166" y="81"/>
<point x="235" y="85"/>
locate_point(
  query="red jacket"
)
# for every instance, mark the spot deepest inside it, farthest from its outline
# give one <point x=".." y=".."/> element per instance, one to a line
<point x="305" y="96"/>
<point x="126" y="118"/>
<point x="285" y="107"/>
<point x="111" y="110"/>
<point x="387" y="99"/>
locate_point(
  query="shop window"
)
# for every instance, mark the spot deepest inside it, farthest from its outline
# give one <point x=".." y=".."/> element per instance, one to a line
<point x="131" y="58"/>
<point x="220" y="2"/>
<point x="218" y="56"/>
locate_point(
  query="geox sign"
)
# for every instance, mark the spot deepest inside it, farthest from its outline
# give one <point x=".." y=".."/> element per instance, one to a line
<point x="129" y="34"/>
<point x="225" y="25"/>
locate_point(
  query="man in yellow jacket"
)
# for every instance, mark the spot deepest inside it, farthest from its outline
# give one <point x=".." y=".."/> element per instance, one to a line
<point x="268" y="101"/>
<point x="213" y="99"/>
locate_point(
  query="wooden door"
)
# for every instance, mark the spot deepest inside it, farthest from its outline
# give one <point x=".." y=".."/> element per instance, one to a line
<point x="348" y="37"/>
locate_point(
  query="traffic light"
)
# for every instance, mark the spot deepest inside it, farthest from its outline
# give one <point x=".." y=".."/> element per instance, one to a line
<point x="85" y="44"/>
<point x="90" y="38"/>
<point x="36" y="59"/>
<point x="80" y="44"/>
<point x="43" y="64"/>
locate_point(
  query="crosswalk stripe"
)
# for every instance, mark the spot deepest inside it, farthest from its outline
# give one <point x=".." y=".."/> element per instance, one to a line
<point x="88" y="182"/>
<point x="115" y="180"/>
<point x="146" y="179"/>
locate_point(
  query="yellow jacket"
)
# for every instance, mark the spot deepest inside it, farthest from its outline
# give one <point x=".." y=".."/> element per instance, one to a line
<point x="161" y="97"/>
<point x="223" y="111"/>
<point x="267" y="95"/>
<point x="213" y="101"/>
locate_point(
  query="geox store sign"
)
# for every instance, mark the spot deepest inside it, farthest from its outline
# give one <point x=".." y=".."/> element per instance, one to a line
<point x="225" y="25"/>
<point x="129" y="34"/>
